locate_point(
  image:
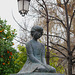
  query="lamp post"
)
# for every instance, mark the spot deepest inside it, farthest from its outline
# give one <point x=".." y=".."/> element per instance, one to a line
<point x="23" y="6"/>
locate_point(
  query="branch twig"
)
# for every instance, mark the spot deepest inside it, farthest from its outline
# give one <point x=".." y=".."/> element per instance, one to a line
<point x="39" y="12"/>
<point x="72" y="18"/>
<point x="56" y="36"/>
<point x="40" y="4"/>
<point x="67" y="1"/>
<point x="73" y="58"/>
<point x="18" y="23"/>
<point x="20" y="42"/>
<point x="58" y="51"/>
<point x="58" y="20"/>
<point x="58" y="57"/>
<point x="73" y="62"/>
<point x="59" y="45"/>
<point x="73" y="49"/>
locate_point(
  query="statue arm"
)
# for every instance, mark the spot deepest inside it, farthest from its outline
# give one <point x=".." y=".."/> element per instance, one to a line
<point x="43" y="54"/>
<point x="30" y="54"/>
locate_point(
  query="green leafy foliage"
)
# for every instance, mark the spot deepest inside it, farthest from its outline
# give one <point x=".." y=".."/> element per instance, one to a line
<point x="54" y="61"/>
<point x="22" y="57"/>
<point x="7" y="52"/>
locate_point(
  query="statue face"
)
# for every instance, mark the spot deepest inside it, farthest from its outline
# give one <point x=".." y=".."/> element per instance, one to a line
<point x="36" y="32"/>
<point x="37" y="35"/>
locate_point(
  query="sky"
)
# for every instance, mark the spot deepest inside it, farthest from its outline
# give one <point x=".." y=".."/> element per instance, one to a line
<point x="7" y="7"/>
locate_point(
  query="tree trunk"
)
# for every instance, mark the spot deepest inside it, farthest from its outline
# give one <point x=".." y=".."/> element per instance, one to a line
<point x="69" y="53"/>
<point x="69" y="67"/>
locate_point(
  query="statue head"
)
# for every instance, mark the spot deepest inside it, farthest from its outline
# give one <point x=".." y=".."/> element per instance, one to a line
<point x="36" y="32"/>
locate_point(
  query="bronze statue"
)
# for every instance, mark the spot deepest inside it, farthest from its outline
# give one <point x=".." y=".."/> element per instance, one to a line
<point x="36" y="54"/>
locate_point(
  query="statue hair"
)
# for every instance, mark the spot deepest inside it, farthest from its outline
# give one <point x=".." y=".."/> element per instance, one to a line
<point x="36" y="28"/>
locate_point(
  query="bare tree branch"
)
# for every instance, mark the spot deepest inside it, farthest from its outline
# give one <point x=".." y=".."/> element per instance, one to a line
<point x="58" y="57"/>
<point x="72" y="18"/>
<point x="66" y="12"/>
<point x="58" y="51"/>
<point x="54" y="18"/>
<point x="39" y="12"/>
<point x="67" y="1"/>
<point x="20" y="41"/>
<point x="58" y="20"/>
<point x="60" y="63"/>
<point x="46" y="10"/>
<point x="73" y="49"/>
<point x="59" y="45"/>
<point x="40" y="4"/>
<point x="73" y="58"/>
<point x="56" y="36"/>
<point x="19" y="24"/>
<point x="73" y="62"/>
<point x="21" y="38"/>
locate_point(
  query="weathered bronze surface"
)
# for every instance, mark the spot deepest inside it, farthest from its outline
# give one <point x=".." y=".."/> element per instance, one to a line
<point x="36" y="54"/>
<point x="38" y="73"/>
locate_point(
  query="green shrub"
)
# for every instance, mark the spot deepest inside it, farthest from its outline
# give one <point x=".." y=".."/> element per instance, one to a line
<point x="7" y="52"/>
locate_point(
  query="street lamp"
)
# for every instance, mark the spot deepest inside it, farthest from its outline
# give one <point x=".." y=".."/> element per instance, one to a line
<point x="23" y="6"/>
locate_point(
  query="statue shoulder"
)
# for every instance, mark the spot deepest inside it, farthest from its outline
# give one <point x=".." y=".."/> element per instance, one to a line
<point x="29" y="43"/>
<point x="43" y="45"/>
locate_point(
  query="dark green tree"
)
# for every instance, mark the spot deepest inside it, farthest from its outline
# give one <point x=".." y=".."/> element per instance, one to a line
<point x="22" y="57"/>
<point x="7" y="52"/>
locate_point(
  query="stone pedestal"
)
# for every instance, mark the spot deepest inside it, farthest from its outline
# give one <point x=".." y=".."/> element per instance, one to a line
<point x="37" y="74"/>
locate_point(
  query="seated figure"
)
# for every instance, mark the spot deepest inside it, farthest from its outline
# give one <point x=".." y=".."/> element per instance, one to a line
<point x="36" y="54"/>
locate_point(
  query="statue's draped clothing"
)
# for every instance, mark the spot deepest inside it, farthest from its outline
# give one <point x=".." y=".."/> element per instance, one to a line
<point x="37" y="49"/>
<point x="36" y="54"/>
